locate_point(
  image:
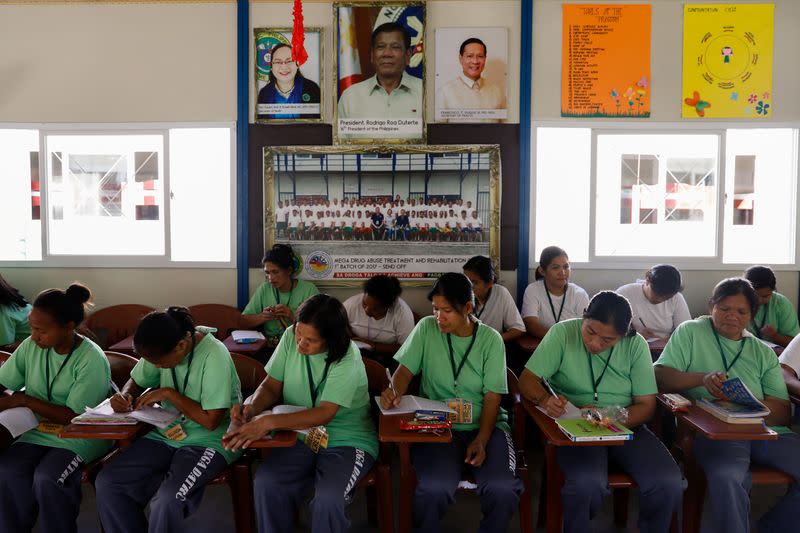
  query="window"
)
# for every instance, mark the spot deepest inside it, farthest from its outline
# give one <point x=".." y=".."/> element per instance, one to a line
<point x="703" y="197"/>
<point x="123" y="196"/>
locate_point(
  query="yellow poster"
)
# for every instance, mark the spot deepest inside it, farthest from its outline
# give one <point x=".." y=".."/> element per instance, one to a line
<point x="727" y="60"/>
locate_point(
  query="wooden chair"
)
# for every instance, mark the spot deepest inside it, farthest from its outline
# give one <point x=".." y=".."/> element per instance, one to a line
<point x="378" y="482"/>
<point x="238" y="475"/>
<point x="223" y="317"/>
<point x="121" y="367"/>
<point x="512" y="402"/>
<point x="113" y="324"/>
<point x="698" y="421"/>
<point x="4" y="356"/>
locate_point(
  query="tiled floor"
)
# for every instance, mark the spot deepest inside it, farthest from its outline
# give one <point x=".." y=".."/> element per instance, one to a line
<point x="215" y="514"/>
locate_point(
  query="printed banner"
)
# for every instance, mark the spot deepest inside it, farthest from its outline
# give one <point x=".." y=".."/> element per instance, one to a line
<point x="605" y="61"/>
<point x="727" y="60"/>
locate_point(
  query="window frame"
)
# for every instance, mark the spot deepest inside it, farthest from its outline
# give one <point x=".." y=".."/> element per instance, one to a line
<point x="125" y="261"/>
<point x="718" y="128"/>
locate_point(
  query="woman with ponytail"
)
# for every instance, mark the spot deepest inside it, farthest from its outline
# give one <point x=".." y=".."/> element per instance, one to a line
<point x="183" y="368"/>
<point x="272" y="306"/>
<point x="61" y="373"/>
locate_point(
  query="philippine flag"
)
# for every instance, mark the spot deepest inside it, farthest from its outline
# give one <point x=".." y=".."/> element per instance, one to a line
<point x="349" y="65"/>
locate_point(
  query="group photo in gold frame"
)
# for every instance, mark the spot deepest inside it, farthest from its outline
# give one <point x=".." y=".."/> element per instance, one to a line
<point x="409" y="211"/>
<point x="379" y="72"/>
<point x="286" y="89"/>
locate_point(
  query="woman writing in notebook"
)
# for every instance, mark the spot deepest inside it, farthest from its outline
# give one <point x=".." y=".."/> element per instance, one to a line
<point x="600" y="361"/>
<point x="186" y="369"/>
<point x="551" y="298"/>
<point x="462" y="362"/>
<point x="272" y="306"/>
<point x="699" y="357"/>
<point x="317" y="369"/>
<point x="61" y="373"/>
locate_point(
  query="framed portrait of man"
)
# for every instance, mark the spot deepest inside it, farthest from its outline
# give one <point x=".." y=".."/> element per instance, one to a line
<point x="471" y="75"/>
<point x="287" y="91"/>
<point x="380" y="72"/>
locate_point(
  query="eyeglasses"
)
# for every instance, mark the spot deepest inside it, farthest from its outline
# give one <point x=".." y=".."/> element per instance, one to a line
<point x="282" y="63"/>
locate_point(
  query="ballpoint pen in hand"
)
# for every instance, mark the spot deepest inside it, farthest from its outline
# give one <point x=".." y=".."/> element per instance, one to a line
<point x="391" y="385"/>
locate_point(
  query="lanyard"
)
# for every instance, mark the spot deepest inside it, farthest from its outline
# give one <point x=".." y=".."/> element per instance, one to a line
<point x="596" y="382"/>
<point x="188" y="371"/>
<point x="278" y="295"/>
<point x="722" y="352"/>
<point x="763" y="321"/>
<point x="552" y="308"/>
<point x="314" y="391"/>
<point x="63" y="364"/>
<point x="483" y="307"/>
<point x="457" y="371"/>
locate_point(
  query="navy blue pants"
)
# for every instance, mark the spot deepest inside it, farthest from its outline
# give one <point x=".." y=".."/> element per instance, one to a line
<point x="37" y="478"/>
<point x="644" y="458"/>
<point x="289" y="475"/>
<point x="727" y="468"/>
<point x="171" y="479"/>
<point x="439" y="467"/>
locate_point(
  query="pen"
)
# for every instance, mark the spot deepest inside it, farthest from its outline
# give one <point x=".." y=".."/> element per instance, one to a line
<point x="548" y="387"/>
<point x="114" y="386"/>
<point x="391" y="385"/>
<point x="643" y="324"/>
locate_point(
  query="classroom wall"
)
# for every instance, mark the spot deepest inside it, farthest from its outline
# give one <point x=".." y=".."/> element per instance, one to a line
<point x="667" y="43"/>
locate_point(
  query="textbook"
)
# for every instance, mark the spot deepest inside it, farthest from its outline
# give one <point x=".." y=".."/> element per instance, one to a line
<point x="579" y="430"/>
<point x="104" y="414"/>
<point x="412" y="404"/>
<point x="742" y="407"/>
<point x="244" y="336"/>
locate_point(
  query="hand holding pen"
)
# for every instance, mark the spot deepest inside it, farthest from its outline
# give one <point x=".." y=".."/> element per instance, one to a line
<point x="120" y="402"/>
<point x="389" y="397"/>
<point x="553" y="404"/>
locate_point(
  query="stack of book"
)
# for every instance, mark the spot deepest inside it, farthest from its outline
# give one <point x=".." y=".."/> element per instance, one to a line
<point x="741" y="407"/>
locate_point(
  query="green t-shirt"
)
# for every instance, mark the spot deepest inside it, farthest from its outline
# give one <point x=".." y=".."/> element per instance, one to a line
<point x="426" y="351"/>
<point x="265" y="296"/>
<point x="14" y="325"/>
<point x="345" y="385"/>
<point x="563" y="359"/>
<point x="780" y="314"/>
<point x="213" y="383"/>
<point x="82" y="382"/>
<point x="693" y="348"/>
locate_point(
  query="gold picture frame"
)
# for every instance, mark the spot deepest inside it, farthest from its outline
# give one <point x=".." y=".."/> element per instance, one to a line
<point x="407" y="13"/>
<point x="310" y="175"/>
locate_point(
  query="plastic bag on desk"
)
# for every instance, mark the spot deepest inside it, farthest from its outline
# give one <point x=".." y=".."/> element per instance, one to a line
<point x="604" y="416"/>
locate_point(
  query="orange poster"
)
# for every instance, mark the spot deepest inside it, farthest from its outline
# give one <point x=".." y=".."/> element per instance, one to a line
<point x="605" y="61"/>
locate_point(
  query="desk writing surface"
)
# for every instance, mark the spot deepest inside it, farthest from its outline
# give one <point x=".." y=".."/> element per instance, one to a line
<point x="103" y="431"/>
<point x="713" y="428"/>
<point x="124" y="346"/>
<point x="244" y="348"/>
<point x="389" y="431"/>
<point x="553" y="433"/>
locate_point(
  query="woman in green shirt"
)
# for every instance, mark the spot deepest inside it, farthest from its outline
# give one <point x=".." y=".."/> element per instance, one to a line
<point x="318" y="370"/>
<point x="462" y="362"/>
<point x="274" y="303"/>
<point x="699" y="357"/>
<point x="185" y="369"/>
<point x="61" y="373"/>
<point x="775" y="320"/>
<point x="14" y="311"/>
<point x="600" y="361"/>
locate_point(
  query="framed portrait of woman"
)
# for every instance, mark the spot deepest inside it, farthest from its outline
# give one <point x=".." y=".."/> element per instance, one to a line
<point x="287" y="91"/>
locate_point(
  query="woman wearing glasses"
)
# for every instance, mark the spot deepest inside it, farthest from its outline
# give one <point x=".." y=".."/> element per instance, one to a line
<point x="287" y="85"/>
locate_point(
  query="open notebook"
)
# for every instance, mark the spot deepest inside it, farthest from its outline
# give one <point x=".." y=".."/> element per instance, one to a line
<point x="104" y="414"/>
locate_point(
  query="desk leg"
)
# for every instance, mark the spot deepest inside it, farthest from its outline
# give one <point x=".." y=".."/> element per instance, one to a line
<point x="554" y="513"/>
<point x="406" y="496"/>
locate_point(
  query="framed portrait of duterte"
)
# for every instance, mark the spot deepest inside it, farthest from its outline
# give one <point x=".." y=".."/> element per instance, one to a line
<point x="379" y="72"/>
<point x="408" y="211"/>
<point x="286" y="89"/>
<point x="471" y="75"/>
